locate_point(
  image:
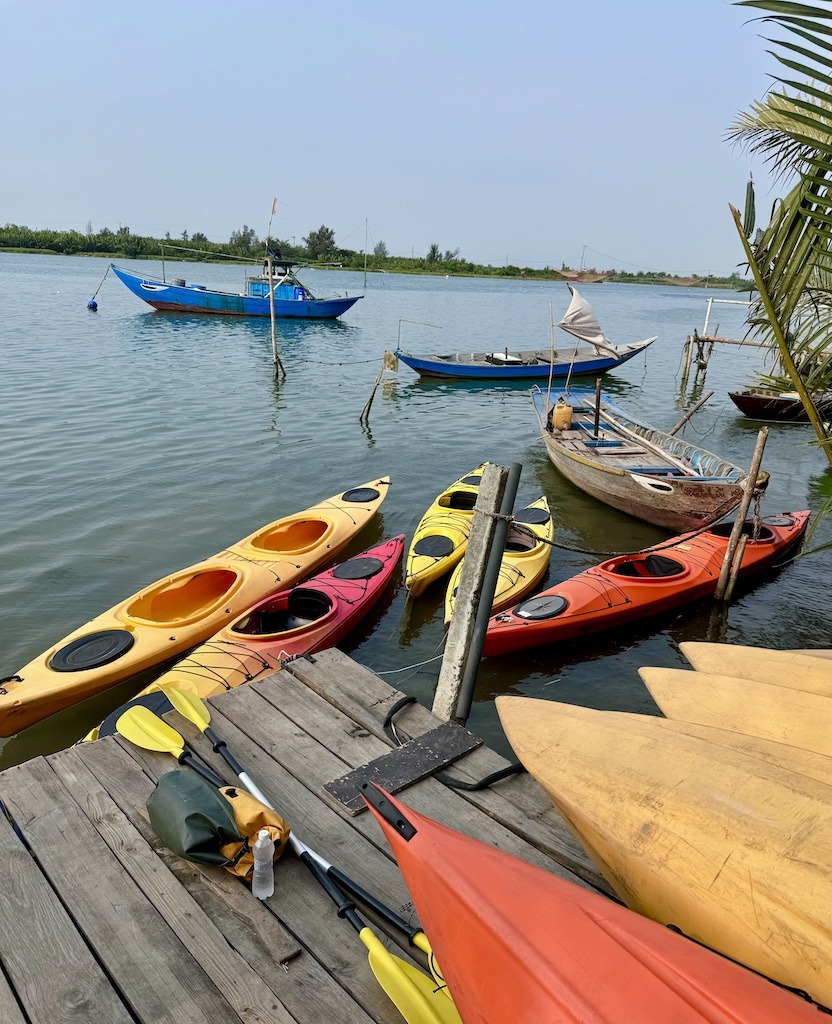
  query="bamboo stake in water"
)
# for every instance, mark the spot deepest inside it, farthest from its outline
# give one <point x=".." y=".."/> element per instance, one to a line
<point x="748" y="493"/>
<point x="275" y="356"/>
<point x="690" y="413"/>
<point x="735" y="567"/>
<point x="551" y="357"/>
<point x="597" y="407"/>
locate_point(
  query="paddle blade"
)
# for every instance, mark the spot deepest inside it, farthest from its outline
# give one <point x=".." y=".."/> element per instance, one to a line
<point x="414" y="994"/>
<point x="144" y="729"/>
<point x="189" y="705"/>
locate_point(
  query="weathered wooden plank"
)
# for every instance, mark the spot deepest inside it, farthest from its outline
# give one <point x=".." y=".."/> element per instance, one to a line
<point x="233" y="976"/>
<point x="10" y="1012"/>
<point x="302" y="984"/>
<point x="519" y="803"/>
<point x="299" y="902"/>
<point x="314" y="713"/>
<point x="55" y="976"/>
<point x="154" y="972"/>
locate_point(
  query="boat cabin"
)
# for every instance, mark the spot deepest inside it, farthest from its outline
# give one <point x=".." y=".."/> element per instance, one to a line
<point x="286" y="285"/>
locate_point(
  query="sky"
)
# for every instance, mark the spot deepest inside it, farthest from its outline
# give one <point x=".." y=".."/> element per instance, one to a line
<point x="529" y="133"/>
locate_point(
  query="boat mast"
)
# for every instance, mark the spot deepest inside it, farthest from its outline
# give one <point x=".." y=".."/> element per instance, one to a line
<point x="365" y="251"/>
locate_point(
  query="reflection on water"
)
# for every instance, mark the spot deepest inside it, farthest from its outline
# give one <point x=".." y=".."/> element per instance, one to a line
<point x="141" y="442"/>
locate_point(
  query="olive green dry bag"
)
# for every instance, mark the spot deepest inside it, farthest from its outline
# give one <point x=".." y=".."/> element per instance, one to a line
<point x="198" y="822"/>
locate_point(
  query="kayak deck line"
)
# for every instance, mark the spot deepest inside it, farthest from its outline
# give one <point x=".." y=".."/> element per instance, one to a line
<point x="94" y="913"/>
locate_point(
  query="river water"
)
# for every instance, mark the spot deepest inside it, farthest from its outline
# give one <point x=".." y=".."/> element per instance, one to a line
<point x="136" y="443"/>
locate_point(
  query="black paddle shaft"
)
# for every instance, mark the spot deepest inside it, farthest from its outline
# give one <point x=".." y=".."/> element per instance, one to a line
<point x="384" y="912"/>
<point x="186" y="757"/>
<point x="346" y="907"/>
<point x="221" y="748"/>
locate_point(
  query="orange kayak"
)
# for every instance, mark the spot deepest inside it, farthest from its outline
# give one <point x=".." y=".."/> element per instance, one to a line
<point x="519" y="945"/>
<point x="178" y="612"/>
<point x="308" y="618"/>
<point x="628" y="588"/>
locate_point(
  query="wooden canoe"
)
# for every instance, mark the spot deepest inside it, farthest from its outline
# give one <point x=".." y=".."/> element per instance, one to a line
<point x="638" y="469"/>
<point x="780" y="713"/>
<point x="733" y="851"/>
<point x="800" y="670"/>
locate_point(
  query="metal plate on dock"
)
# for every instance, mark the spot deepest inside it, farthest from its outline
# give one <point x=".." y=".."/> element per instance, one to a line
<point x="402" y="767"/>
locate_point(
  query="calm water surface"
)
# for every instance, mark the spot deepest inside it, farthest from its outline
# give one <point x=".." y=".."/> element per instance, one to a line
<point x="136" y="443"/>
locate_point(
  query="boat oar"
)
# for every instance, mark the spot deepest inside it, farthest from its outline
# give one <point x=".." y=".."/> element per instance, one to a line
<point x="191" y="707"/>
<point x="416" y="996"/>
<point x="144" y="729"/>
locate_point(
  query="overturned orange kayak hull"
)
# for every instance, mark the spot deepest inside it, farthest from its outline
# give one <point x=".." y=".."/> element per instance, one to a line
<point x="631" y="587"/>
<point x="175" y="614"/>
<point x="519" y="945"/>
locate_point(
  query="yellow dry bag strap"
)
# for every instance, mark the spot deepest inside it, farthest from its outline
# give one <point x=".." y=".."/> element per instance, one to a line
<point x="250" y="816"/>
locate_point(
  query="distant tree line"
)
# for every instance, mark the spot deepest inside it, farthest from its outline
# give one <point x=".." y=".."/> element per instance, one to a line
<point x="318" y="246"/>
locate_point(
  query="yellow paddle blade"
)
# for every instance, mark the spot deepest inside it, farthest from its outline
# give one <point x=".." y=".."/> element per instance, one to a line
<point x="414" y="994"/>
<point x="144" y="729"/>
<point x="420" y="941"/>
<point x="189" y="706"/>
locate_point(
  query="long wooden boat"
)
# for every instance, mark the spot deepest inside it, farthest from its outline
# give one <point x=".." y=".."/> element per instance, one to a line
<point x="759" y="404"/>
<point x="638" y="469"/>
<point x="176" y="613"/>
<point x="731" y="849"/>
<point x="802" y="670"/>
<point x="518" y="944"/>
<point x="629" y="588"/>
<point x="310" y="617"/>
<point x="596" y="355"/>
<point x="291" y="298"/>
<point x="799" y="718"/>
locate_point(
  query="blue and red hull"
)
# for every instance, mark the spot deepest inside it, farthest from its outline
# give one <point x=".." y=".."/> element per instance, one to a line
<point x="198" y="299"/>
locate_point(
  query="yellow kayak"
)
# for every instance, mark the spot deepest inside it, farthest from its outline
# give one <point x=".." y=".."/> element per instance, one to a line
<point x="524" y="562"/>
<point x="732" y="850"/>
<point x="178" y="612"/>
<point x="800" y="670"/>
<point x="442" y="534"/>
<point x="780" y="713"/>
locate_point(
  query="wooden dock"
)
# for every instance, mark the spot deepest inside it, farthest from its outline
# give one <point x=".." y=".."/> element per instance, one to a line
<point x="98" y="923"/>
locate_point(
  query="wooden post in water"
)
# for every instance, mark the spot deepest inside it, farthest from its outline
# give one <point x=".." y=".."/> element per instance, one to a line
<point x="477" y="583"/>
<point x="748" y="493"/>
<point x="736" y="565"/>
<point x="597" y="408"/>
<point x="275" y="356"/>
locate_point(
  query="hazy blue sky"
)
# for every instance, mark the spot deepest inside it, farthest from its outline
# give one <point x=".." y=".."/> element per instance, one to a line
<point x="519" y="131"/>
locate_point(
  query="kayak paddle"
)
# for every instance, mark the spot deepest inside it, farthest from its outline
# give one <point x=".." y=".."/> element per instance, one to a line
<point x="191" y="707"/>
<point x="144" y="729"/>
<point x="418" y="998"/>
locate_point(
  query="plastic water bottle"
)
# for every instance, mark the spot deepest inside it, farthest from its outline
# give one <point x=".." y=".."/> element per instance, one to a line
<point x="262" y="881"/>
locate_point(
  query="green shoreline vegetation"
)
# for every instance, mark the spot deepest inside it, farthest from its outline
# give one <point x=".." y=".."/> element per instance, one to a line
<point x="319" y="250"/>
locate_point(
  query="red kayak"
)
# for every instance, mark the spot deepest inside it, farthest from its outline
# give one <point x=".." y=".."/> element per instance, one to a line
<point x="518" y="945"/>
<point x="631" y="587"/>
<point x="307" y="618"/>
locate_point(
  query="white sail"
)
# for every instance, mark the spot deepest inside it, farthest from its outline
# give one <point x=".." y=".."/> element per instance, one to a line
<point x="580" y="321"/>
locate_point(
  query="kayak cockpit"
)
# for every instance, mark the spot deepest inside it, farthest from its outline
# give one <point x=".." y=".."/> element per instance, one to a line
<point x="765" y="534"/>
<point x="300" y="608"/>
<point x="646" y="568"/>
<point x="293" y="537"/>
<point x="183" y="598"/>
<point x="462" y="501"/>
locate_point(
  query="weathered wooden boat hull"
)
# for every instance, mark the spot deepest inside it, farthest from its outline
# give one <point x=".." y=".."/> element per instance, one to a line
<point x="677" y="504"/>
<point x="196" y="299"/>
<point x="535" y="365"/>
<point x="662" y="495"/>
<point x="761" y="406"/>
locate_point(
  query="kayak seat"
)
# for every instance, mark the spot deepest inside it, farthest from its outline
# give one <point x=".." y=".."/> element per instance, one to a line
<point x="302" y="607"/>
<point x="464" y="501"/>
<point x="661" y="565"/>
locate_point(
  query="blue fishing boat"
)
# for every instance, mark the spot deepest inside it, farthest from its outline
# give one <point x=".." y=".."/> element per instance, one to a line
<point x="596" y="355"/>
<point x="291" y="298"/>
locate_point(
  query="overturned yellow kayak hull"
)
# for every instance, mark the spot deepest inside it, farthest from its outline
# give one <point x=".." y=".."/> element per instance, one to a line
<point x="731" y="849"/>
<point x="798" y="669"/>
<point x="178" y="612"/>
<point x="441" y="537"/>
<point x="524" y="561"/>
<point x="780" y="713"/>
